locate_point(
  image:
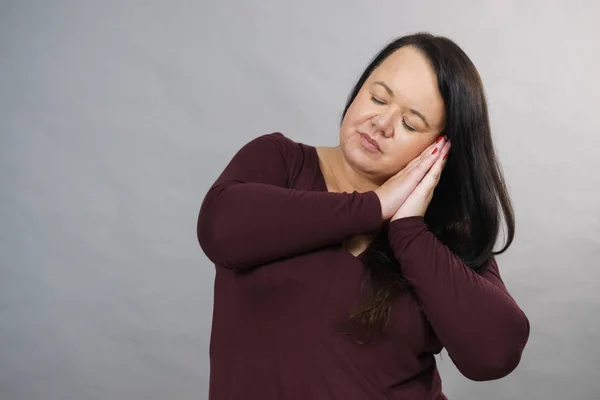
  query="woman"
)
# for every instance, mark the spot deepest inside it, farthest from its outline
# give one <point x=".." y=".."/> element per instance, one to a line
<point x="340" y="272"/>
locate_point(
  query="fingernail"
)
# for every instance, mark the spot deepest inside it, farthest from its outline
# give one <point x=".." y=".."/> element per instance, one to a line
<point x="435" y="150"/>
<point x="446" y="155"/>
<point x="439" y="139"/>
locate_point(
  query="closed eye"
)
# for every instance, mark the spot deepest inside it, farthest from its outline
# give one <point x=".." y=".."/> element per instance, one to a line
<point x="376" y="100"/>
<point x="380" y="102"/>
<point x="410" y="128"/>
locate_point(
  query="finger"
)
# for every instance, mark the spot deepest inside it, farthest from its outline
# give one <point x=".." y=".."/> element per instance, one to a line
<point x="422" y="167"/>
<point x="445" y="152"/>
<point x="433" y="175"/>
<point x="439" y="143"/>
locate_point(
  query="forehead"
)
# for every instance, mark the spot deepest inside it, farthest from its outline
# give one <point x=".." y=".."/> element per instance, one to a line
<point x="414" y="83"/>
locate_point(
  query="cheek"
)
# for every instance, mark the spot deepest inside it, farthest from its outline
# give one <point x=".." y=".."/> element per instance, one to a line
<point x="349" y="126"/>
<point x="350" y="142"/>
<point x="359" y="111"/>
<point x="346" y="122"/>
<point x="405" y="152"/>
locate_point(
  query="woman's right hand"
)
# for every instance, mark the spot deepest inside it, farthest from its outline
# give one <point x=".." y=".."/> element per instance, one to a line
<point x="396" y="189"/>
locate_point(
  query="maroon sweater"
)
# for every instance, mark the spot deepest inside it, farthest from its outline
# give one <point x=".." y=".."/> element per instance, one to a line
<point x="284" y="286"/>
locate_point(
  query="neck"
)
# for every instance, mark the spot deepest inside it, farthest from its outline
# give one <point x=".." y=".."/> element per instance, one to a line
<point x="342" y="177"/>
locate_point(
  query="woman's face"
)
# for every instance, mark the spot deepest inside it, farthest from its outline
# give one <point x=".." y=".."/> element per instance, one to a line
<point x="400" y="108"/>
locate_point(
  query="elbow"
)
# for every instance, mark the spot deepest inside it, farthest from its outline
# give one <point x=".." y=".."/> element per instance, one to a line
<point x="499" y="359"/>
<point x="206" y="237"/>
<point x="211" y="238"/>
<point x="210" y="245"/>
<point x="492" y="368"/>
<point x="216" y="237"/>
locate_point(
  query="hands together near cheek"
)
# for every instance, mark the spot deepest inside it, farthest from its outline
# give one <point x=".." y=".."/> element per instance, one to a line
<point x="409" y="192"/>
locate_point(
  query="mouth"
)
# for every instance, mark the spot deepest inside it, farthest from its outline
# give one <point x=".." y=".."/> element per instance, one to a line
<point x="370" y="144"/>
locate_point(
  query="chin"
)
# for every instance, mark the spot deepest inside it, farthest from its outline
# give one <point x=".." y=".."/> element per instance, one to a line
<point x="359" y="161"/>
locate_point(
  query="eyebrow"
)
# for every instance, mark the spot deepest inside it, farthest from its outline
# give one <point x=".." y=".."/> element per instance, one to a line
<point x="412" y="110"/>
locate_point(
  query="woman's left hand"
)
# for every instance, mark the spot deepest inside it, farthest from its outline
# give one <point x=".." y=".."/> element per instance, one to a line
<point x="417" y="202"/>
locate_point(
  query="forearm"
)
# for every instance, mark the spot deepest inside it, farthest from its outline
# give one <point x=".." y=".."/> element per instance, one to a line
<point x="242" y="225"/>
<point x="475" y="318"/>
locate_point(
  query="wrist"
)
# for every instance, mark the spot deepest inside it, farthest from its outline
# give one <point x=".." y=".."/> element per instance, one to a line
<point x="386" y="211"/>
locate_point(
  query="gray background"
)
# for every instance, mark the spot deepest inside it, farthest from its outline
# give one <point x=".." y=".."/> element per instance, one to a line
<point x="115" y="118"/>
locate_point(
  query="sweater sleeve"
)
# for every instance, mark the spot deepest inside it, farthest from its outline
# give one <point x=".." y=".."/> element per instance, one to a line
<point x="477" y="321"/>
<point x="250" y="216"/>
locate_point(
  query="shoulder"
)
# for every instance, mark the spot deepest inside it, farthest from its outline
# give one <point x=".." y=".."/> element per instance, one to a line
<point x="278" y="141"/>
<point x="293" y="155"/>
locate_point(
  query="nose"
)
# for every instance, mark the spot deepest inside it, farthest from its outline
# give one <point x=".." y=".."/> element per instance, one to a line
<point x="383" y="122"/>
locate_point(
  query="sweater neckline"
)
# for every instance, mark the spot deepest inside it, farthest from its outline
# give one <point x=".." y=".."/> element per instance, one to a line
<point x="323" y="187"/>
<point x="316" y="162"/>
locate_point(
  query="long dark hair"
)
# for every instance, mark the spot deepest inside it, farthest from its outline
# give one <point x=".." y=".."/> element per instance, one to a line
<point x="464" y="212"/>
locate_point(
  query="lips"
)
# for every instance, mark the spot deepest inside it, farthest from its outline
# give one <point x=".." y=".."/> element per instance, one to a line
<point x="373" y="142"/>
